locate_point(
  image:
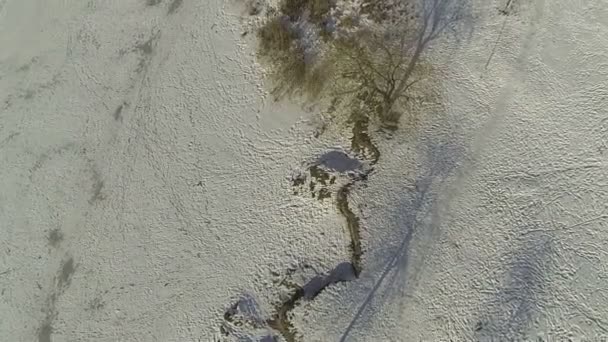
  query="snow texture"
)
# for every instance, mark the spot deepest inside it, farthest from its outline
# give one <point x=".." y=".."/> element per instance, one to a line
<point x="144" y="182"/>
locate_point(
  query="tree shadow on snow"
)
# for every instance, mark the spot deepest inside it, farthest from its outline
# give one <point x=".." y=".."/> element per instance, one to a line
<point x="508" y="313"/>
<point x="417" y="215"/>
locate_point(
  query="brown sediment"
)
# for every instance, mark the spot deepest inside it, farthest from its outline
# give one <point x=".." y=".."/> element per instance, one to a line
<point x="362" y="144"/>
<point x="281" y="322"/>
<point x="229" y="314"/>
<point x="318" y="183"/>
<point x="361" y="141"/>
<point x="353" y="225"/>
<point x="319" y="174"/>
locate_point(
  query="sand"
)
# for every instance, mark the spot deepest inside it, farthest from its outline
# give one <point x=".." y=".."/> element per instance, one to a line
<point x="145" y="183"/>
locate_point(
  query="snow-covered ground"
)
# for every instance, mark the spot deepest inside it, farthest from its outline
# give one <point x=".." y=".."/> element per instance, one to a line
<point x="145" y="182"/>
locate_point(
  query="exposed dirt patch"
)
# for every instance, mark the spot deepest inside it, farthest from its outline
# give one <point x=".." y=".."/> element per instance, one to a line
<point x="281" y="321"/>
<point x="354" y="227"/>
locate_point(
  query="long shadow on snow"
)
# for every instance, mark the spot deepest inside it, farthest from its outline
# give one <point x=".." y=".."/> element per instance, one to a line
<point x="510" y="311"/>
<point x="418" y="214"/>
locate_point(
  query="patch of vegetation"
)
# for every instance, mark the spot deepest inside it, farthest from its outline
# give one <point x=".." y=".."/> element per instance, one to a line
<point x="366" y="53"/>
<point x="280" y="321"/>
<point x="361" y="142"/>
<point x="319" y="182"/>
<point x="316" y="10"/>
<point x="292" y="41"/>
<point x="293" y="68"/>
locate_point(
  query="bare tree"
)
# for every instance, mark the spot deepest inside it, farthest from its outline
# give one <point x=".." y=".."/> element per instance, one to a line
<point x="383" y="60"/>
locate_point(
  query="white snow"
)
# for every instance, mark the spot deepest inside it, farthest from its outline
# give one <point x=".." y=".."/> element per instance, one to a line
<point x="146" y="139"/>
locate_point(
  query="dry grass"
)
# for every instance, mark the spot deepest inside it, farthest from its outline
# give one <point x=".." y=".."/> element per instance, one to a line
<point x="275" y="36"/>
<point x="317" y="10"/>
<point x="290" y="72"/>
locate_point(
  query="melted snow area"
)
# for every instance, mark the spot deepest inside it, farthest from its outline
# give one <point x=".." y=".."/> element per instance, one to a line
<point x="151" y="190"/>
